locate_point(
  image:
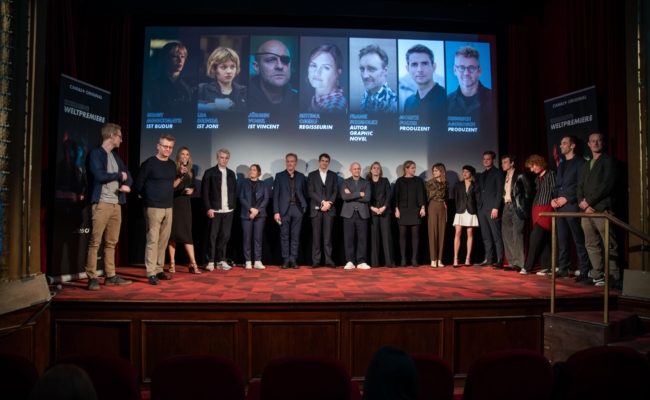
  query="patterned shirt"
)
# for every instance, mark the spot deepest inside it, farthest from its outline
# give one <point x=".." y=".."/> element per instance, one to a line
<point x="385" y="100"/>
<point x="331" y="102"/>
<point x="436" y="190"/>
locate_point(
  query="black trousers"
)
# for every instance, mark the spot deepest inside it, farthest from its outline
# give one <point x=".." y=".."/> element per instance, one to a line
<point x="380" y="237"/>
<point x="219" y="229"/>
<point x="321" y="226"/>
<point x="355" y="250"/>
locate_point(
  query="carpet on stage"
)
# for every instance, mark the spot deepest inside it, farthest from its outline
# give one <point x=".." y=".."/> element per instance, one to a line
<point x="308" y="285"/>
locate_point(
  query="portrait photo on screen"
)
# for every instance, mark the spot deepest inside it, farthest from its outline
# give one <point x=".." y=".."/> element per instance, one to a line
<point x="324" y="75"/>
<point x="275" y="74"/>
<point x="421" y="65"/>
<point x="373" y="75"/>
<point x="470" y="97"/>
<point x="169" y="77"/>
<point x="223" y="74"/>
<point x="262" y="92"/>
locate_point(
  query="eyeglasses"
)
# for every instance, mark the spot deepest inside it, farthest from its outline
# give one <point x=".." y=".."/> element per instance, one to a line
<point x="470" y="68"/>
<point x="166" y="146"/>
<point x="274" y="58"/>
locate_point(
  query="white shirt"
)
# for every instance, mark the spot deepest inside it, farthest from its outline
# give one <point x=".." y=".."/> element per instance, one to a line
<point x="224" y="191"/>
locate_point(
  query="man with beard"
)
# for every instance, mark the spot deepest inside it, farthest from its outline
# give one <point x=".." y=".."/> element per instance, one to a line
<point x="373" y="65"/>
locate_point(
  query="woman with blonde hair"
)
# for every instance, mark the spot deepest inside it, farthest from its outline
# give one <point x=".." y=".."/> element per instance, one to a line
<point x="380" y="235"/>
<point x="223" y="93"/>
<point x="182" y="211"/>
<point x="409" y="210"/>
<point x="437" y="188"/>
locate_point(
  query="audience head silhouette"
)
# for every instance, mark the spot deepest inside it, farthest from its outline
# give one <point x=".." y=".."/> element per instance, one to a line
<point x="64" y="382"/>
<point x="391" y="375"/>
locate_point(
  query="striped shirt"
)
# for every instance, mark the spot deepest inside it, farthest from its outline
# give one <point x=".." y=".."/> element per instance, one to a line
<point x="544" y="184"/>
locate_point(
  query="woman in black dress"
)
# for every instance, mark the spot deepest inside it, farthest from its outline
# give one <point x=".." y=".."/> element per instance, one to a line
<point x="409" y="210"/>
<point x="182" y="211"/>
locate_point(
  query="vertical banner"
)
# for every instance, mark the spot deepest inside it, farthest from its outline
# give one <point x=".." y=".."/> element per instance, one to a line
<point x="572" y="114"/>
<point x="83" y="109"/>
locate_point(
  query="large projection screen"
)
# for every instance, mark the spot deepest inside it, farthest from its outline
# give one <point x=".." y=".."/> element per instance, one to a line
<point x="311" y="90"/>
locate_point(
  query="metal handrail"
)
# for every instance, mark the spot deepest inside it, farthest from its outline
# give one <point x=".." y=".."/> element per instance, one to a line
<point x="608" y="218"/>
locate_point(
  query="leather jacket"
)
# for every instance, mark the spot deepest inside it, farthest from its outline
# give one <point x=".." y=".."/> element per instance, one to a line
<point x="521" y="194"/>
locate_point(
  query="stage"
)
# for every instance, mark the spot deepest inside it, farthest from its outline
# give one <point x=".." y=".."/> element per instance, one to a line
<point x="253" y="316"/>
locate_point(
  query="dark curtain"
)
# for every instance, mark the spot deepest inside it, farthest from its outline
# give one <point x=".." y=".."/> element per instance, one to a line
<point x="572" y="45"/>
<point x="95" y="49"/>
<point x="558" y="47"/>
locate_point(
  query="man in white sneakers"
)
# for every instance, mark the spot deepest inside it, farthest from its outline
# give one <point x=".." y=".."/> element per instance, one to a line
<point x="355" y="192"/>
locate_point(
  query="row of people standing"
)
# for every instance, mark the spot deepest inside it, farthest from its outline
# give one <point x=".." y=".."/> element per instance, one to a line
<point x="577" y="185"/>
<point x="165" y="187"/>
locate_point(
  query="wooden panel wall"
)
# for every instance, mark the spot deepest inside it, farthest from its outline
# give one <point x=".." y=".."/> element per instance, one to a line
<point x="146" y="334"/>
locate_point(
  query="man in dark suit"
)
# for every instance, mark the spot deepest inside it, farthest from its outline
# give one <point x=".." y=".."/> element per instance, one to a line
<point x="355" y="193"/>
<point x="490" y="204"/>
<point x="218" y="191"/>
<point x="289" y="204"/>
<point x="565" y="199"/>
<point x="322" y="188"/>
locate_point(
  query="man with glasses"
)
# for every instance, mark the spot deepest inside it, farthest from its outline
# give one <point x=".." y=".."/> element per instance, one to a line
<point x="155" y="184"/>
<point x="471" y="98"/>
<point x="109" y="180"/>
<point x="270" y="89"/>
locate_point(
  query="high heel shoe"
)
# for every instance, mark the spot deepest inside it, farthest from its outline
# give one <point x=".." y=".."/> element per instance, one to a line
<point x="456" y="265"/>
<point x="468" y="261"/>
<point x="172" y="268"/>
<point x="194" y="269"/>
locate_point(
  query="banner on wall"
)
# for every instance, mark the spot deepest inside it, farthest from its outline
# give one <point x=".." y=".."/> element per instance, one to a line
<point x="83" y="109"/>
<point x="572" y="114"/>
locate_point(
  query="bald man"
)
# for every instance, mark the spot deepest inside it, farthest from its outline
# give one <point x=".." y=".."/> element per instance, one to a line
<point x="270" y="88"/>
<point x="355" y="192"/>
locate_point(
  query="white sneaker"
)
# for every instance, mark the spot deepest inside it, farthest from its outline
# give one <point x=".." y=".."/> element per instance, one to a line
<point x="434" y="264"/>
<point x="249" y="265"/>
<point x="349" y="265"/>
<point x="363" y="266"/>
<point x="224" y="266"/>
<point x="543" y="272"/>
<point x="209" y="266"/>
<point x="259" y="265"/>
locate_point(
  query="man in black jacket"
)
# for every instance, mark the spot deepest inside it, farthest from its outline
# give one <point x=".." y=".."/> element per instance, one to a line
<point x="322" y="186"/>
<point x="595" y="194"/>
<point x="516" y="204"/>
<point x="490" y="205"/>
<point x="218" y="191"/>
<point x="565" y="199"/>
